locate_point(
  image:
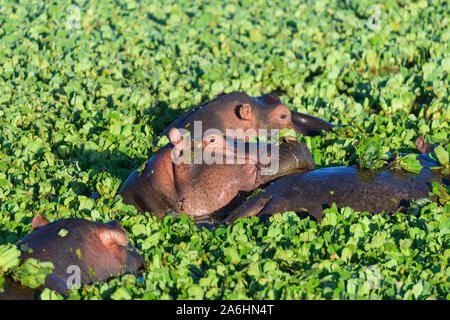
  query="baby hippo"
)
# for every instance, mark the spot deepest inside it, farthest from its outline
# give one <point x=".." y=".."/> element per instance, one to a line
<point x="81" y="251"/>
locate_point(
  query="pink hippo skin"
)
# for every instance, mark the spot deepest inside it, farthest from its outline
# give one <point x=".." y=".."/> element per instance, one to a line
<point x="423" y="147"/>
<point x="99" y="250"/>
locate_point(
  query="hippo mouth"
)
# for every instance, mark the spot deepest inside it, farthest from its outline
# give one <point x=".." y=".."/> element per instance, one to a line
<point x="243" y="152"/>
<point x="266" y="162"/>
<point x="293" y="158"/>
<point x="306" y="124"/>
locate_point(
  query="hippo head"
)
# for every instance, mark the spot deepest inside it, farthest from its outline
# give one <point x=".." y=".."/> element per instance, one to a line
<point x="226" y="167"/>
<point x="239" y="115"/>
<point x="81" y="251"/>
<point x="423" y="147"/>
<point x="272" y="113"/>
<point x="266" y="112"/>
<point x="251" y="116"/>
<point x="201" y="175"/>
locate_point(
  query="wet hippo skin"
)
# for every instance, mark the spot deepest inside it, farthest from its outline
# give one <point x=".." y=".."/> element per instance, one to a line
<point x="164" y="187"/>
<point x="237" y="110"/>
<point x="99" y="250"/>
<point x="361" y="189"/>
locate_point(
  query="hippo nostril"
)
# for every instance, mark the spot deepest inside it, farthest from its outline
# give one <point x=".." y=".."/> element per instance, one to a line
<point x="260" y="165"/>
<point x="283" y="116"/>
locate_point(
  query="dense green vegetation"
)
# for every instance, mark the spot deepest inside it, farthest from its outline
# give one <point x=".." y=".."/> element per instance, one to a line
<point x="86" y="89"/>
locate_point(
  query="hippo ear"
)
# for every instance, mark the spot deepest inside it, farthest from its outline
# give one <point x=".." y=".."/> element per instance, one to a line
<point x="422" y="146"/>
<point x="182" y="146"/>
<point x="112" y="236"/>
<point x="244" y="111"/>
<point x="39" y="221"/>
<point x="175" y="136"/>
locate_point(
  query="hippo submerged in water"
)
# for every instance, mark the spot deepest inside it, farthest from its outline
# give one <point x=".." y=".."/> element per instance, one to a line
<point x="214" y="189"/>
<point x="162" y="187"/>
<point x="85" y="250"/>
<point x="237" y="110"/>
<point x="311" y="192"/>
<point x="165" y="186"/>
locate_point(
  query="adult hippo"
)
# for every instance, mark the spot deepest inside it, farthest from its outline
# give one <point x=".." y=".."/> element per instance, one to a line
<point x="361" y="189"/>
<point x="171" y="183"/>
<point x="81" y="251"/>
<point x="239" y="111"/>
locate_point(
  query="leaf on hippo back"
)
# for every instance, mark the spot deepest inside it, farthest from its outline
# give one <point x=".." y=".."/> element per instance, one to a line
<point x="142" y="167"/>
<point x="287" y="132"/>
<point x="78" y="253"/>
<point x="32" y="273"/>
<point x="162" y="142"/>
<point x="9" y="257"/>
<point x="63" y="232"/>
<point x="48" y="294"/>
<point x="255" y="192"/>
<point x="411" y="163"/>
<point x="370" y="154"/>
<point x="91" y="272"/>
<point x="408" y="163"/>
<point x="2" y="281"/>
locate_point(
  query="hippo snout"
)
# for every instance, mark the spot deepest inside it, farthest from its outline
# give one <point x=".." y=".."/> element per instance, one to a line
<point x="300" y="154"/>
<point x="287" y="158"/>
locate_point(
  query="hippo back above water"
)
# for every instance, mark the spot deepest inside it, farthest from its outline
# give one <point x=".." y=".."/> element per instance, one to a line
<point x="311" y="192"/>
